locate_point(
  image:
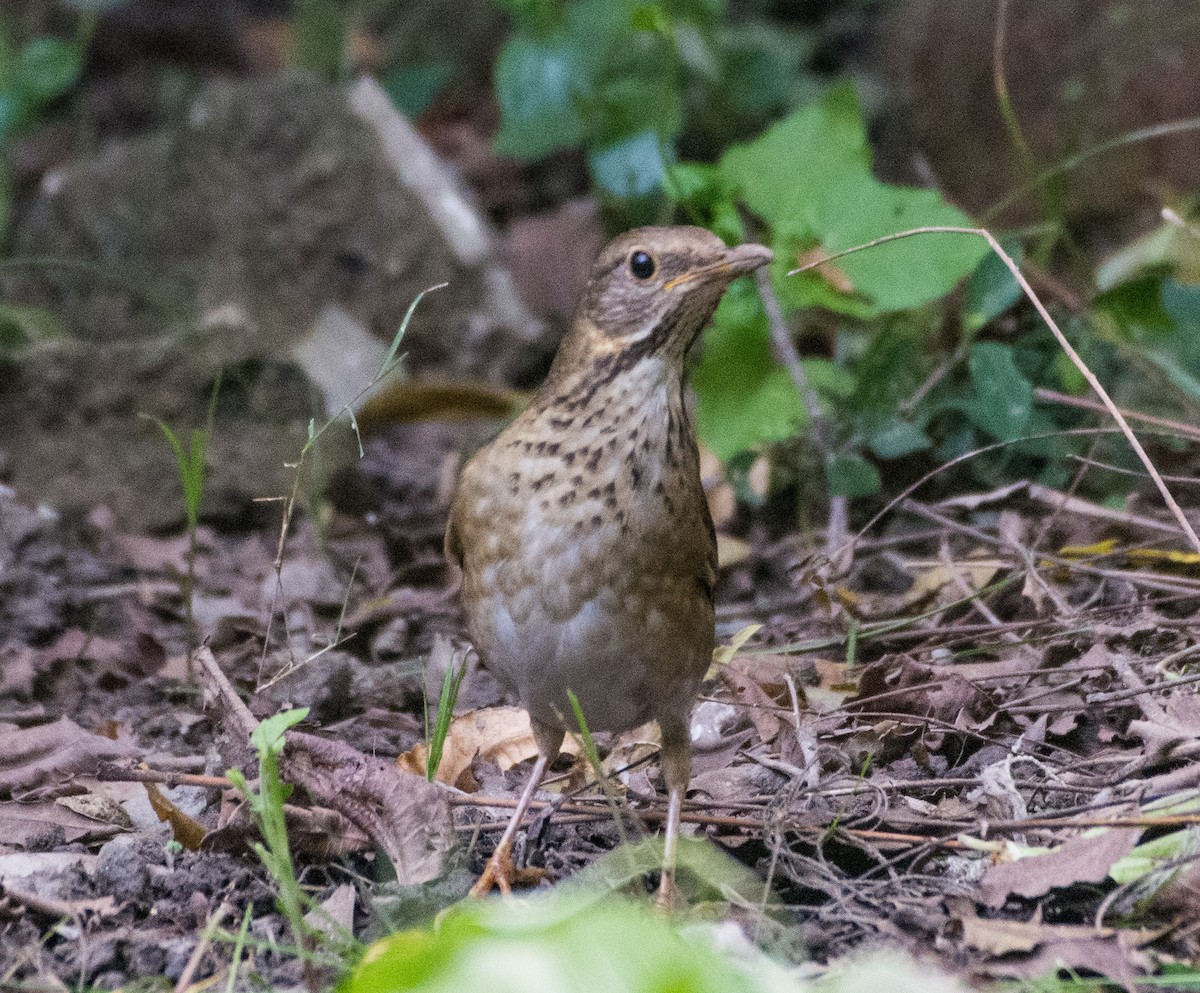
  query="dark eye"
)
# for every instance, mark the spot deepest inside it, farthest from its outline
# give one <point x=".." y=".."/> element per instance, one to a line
<point x="642" y="264"/>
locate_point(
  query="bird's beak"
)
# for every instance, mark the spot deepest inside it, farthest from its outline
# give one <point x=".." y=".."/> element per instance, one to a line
<point x="733" y="262"/>
<point x="746" y="258"/>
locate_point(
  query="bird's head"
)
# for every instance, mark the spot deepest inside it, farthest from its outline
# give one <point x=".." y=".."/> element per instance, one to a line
<point x="661" y="283"/>
<point x="651" y="292"/>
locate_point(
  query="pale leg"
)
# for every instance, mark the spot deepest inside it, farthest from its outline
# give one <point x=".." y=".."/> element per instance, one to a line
<point x="677" y="770"/>
<point x="499" y="869"/>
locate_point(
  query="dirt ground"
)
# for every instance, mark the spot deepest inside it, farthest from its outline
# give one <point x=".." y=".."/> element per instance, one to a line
<point x="985" y="676"/>
<point x="972" y="735"/>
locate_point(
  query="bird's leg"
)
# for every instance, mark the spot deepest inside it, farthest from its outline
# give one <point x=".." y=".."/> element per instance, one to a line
<point x="677" y="770"/>
<point x="499" y="869"/>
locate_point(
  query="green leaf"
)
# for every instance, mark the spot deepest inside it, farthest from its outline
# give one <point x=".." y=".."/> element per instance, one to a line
<point x="8" y="56"/>
<point x="630" y="168"/>
<point x="743" y="398"/>
<point x="535" y="83"/>
<point x="645" y="97"/>
<point x="46" y="68"/>
<point x="651" y="17"/>
<point x="850" y="475"/>
<point x="898" y="438"/>
<point x="412" y="88"/>
<point x="991" y="290"/>
<point x="901" y="274"/>
<point x="1181" y="301"/>
<point x="784" y="173"/>
<point x="810" y="178"/>
<point x="267" y="738"/>
<point x="534" y="15"/>
<point x="1002" y="398"/>
<point x="559" y="944"/>
<point x="14" y="115"/>
<point x="23" y="326"/>
<point x="1137" y="309"/>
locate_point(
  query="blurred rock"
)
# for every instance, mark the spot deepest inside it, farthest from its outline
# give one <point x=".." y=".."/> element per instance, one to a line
<point x="210" y="249"/>
<point x="1079" y="74"/>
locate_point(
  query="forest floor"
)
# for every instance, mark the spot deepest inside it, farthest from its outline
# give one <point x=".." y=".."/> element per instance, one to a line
<point x="975" y="741"/>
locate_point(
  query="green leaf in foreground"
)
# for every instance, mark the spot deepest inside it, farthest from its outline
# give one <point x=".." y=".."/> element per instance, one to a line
<point x="560" y="944"/>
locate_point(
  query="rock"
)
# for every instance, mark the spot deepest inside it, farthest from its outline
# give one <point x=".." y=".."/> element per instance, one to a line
<point x="121" y="867"/>
<point x="210" y="250"/>
<point x="1078" y="73"/>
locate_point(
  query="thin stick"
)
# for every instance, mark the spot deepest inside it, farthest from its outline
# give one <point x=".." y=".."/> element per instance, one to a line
<point x="202" y="946"/>
<point x="1083" y="403"/>
<point x="837" y="529"/>
<point x="1113" y="410"/>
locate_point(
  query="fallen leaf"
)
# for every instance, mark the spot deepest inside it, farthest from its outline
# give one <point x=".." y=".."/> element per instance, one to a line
<point x="501" y="735"/>
<point x="335" y="913"/>
<point x="186" y="830"/>
<point x="951" y="577"/>
<point x="830" y="272"/>
<point x="21" y="823"/>
<point x="1086" y="858"/>
<point x="32" y="756"/>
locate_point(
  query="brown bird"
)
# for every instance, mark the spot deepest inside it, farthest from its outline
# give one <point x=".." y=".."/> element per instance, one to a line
<point x="586" y="545"/>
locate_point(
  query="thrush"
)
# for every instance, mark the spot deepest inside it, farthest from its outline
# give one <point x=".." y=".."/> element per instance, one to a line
<point x="587" y="550"/>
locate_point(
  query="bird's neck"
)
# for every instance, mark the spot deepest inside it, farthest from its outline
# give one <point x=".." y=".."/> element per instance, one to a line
<point x="591" y="372"/>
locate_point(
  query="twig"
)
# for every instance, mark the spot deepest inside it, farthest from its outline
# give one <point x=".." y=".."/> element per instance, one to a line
<point x="110" y="772"/>
<point x="785" y="349"/>
<point x="1083" y="403"/>
<point x="193" y="962"/>
<point x="1085" y="508"/>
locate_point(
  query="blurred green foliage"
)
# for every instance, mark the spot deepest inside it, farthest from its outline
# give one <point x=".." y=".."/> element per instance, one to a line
<point x="904" y="367"/>
<point x="625" y="80"/>
<point x="33" y="76"/>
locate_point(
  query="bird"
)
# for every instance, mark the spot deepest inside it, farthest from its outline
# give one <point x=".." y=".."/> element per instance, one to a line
<point x="587" y="550"/>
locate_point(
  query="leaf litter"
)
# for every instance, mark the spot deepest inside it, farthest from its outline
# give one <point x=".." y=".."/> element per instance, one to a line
<point x="977" y="743"/>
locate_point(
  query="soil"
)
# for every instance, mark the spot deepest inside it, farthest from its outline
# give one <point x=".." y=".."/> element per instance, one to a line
<point x="986" y="677"/>
<point x="977" y="721"/>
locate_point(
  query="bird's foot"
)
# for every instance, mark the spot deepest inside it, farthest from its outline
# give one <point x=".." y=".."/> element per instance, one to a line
<point x="501" y="874"/>
<point x="497" y="874"/>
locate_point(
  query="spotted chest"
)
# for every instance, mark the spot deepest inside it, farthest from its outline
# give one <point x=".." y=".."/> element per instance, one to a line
<point x="587" y="548"/>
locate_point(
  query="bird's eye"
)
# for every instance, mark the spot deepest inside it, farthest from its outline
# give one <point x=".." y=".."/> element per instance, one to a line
<point x="642" y="264"/>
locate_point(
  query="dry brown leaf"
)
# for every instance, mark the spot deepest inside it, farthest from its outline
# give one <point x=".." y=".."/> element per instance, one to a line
<point x="761" y="685"/>
<point x="502" y="735"/>
<point x="100" y="808"/>
<point x="632" y="747"/>
<point x="186" y="830"/>
<point x="54" y="752"/>
<point x="21" y="823"/>
<point x="404" y="401"/>
<point x="830" y="272"/>
<point x="1028" y="949"/>
<point x="731" y="551"/>
<point x="1084" y="859"/>
<point x="939" y="576"/>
